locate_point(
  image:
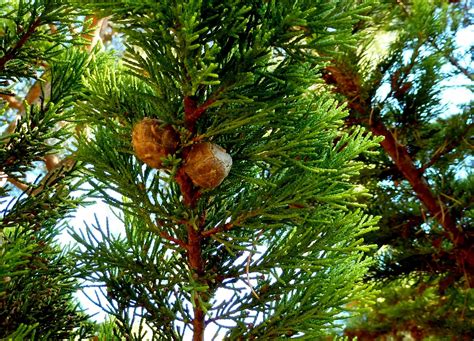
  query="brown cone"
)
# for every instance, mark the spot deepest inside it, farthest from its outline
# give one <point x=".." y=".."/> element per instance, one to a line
<point x="207" y="164"/>
<point x="152" y="143"/>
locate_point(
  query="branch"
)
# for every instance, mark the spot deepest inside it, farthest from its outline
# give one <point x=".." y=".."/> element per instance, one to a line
<point x="189" y="192"/>
<point x="168" y="237"/>
<point x="361" y="113"/>
<point x="217" y="229"/>
<point x="402" y="159"/>
<point x="97" y="26"/>
<point x="12" y="101"/>
<point x="197" y="265"/>
<point x="13" y="52"/>
<point x="456" y="64"/>
<point x="446" y="148"/>
<point x="56" y="170"/>
<point x="18" y="184"/>
<point x="174" y="240"/>
<point x="452" y="60"/>
<point x="192" y="112"/>
<point x="191" y="195"/>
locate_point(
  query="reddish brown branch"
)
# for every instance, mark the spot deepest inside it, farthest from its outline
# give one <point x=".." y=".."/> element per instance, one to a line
<point x="217" y="229"/>
<point x="192" y="112"/>
<point x="189" y="192"/>
<point x="190" y="196"/>
<point x="24" y="38"/>
<point x="12" y="101"/>
<point x="96" y="28"/>
<point x="197" y="266"/>
<point x="20" y="185"/>
<point x="194" y="250"/>
<point x="446" y="148"/>
<point x="174" y="240"/>
<point x="348" y="84"/>
<point x="454" y="62"/>
<point x="402" y="159"/>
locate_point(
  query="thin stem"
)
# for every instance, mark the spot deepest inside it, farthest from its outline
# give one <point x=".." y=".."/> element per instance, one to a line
<point x="217" y="229"/>
<point x="191" y="195"/>
<point x="18" y="184"/>
<point x="22" y="41"/>
<point x="174" y="240"/>
<point x="454" y="62"/>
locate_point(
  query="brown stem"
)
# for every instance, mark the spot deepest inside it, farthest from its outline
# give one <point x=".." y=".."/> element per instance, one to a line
<point x="96" y="26"/>
<point x="190" y="197"/>
<point x="447" y="147"/>
<point x="217" y="229"/>
<point x="12" y="101"/>
<point x="18" y="184"/>
<point x="189" y="192"/>
<point x="174" y="240"/>
<point x="194" y="248"/>
<point x="192" y="112"/>
<point x="24" y="38"/>
<point x="399" y="155"/>
<point x="454" y="62"/>
<point x="197" y="266"/>
<point x="348" y="84"/>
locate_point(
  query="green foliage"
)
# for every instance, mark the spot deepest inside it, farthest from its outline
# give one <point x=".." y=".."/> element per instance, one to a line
<point x="37" y="278"/>
<point x="438" y="141"/>
<point x="22" y="332"/>
<point x="281" y="236"/>
<point x="32" y="33"/>
<point x="409" y="305"/>
<point x="406" y="88"/>
<point x="37" y="286"/>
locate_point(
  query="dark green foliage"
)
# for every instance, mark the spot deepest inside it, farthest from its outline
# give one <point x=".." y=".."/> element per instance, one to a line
<point x="31" y="34"/>
<point x="418" y="61"/>
<point x="437" y="140"/>
<point x="37" y="285"/>
<point x="37" y="278"/>
<point x="409" y="305"/>
<point x="34" y="135"/>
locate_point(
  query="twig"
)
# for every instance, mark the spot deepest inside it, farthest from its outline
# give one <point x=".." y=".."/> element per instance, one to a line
<point x="247" y="272"/>
<point x="217" y="229"/>
<point x="12" y="53"/>
<point x="170" y="238"/>
<point x="192" y="112"/>
<point x="12" y="101"/>
<point x="452" y="60"/>
<point x="247" y="267"/>
<point x="18" y="184"/>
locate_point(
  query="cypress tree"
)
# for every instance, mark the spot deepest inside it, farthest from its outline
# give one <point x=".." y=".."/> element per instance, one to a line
<point x="223" y="153"/>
